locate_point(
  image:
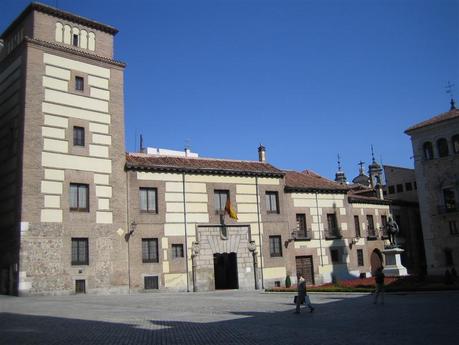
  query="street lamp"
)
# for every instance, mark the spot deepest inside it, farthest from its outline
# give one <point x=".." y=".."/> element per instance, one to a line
<point x="132" y="228"/>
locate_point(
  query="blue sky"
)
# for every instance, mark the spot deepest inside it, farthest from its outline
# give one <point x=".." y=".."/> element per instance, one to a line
<point x="308" y="79"/>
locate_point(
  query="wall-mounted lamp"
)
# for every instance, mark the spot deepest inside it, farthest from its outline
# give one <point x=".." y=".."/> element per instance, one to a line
<point x="353" y="241"/>
<point x="293" y="237"/>
<point x="132" y="228"/>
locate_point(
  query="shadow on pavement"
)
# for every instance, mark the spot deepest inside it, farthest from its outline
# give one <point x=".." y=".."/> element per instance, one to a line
<point x="418" y="320"/>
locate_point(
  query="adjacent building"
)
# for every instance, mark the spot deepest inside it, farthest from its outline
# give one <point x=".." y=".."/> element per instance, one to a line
<point x="436" y="155"/>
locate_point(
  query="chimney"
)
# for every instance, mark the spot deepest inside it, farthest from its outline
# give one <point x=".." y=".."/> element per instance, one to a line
<point x="187" y="151"/>
<point x="262" y="153"/>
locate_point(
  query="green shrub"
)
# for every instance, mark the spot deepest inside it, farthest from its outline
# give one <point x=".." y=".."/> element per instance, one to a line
<point x="288" y="282"/>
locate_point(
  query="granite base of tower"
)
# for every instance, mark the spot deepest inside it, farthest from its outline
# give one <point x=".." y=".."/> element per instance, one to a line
<point x="394" y="267"/>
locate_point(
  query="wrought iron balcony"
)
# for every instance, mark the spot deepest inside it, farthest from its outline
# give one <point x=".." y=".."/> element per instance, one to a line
<point x="371" y="234"/>
<point x="442" y="209"/>
<point x="332" y="233"/>
<point x="304" y="234"/>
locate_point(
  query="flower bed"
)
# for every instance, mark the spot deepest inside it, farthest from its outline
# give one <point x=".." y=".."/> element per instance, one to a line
<point x="393" y="284"/>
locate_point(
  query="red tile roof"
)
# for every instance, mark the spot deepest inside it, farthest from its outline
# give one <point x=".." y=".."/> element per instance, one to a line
<point x="140" y="161"/>
<point x="452" y="114"/>
<point x="310" y="181"/>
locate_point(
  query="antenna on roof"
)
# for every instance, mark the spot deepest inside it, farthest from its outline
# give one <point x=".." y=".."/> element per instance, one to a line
<point x="449" y="91"/>
<point x="141" y="143"/>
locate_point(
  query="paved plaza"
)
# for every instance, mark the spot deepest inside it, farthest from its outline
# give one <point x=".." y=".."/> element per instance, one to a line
<point x="229" y="317"/>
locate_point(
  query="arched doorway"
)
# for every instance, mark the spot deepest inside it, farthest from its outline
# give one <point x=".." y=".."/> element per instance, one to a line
<point x="376" y="260"/>
<point x="225" y="271"/>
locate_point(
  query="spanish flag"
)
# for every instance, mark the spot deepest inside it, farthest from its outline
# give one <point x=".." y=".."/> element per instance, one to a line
<point x="228" y="209"/>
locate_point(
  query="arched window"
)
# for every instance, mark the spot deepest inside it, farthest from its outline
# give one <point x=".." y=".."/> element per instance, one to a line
<point x="428" y="150"/>
<point x="91" y="41"/>
<point x="455" y="141"/>
<point x="59" y="32"/>
<point x="75" y="37"/>
<point x="67" y="34"/>
<point x="84" y="39"/>
<point x="442" y="146"/>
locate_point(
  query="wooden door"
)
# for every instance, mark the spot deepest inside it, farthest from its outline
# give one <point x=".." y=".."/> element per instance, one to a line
<point x="305" y="266"/>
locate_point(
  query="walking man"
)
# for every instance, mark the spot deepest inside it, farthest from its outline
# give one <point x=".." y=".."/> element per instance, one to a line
<point x="379" y="279"/>
<point x="302" y="294"/>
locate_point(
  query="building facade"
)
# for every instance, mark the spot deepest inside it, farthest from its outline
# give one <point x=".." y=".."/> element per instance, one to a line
<point x="436" y="155"/>
<point x="81" y="215"/>
<point x="401" y="190"/>
<point x="62" y="103"/>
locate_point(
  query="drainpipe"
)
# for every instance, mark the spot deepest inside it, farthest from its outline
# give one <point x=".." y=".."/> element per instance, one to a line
<point x="127" y="229"/>
<point x="186" y="235"/>
<point x="320" y="232"/>
<point x="259" y="235"/>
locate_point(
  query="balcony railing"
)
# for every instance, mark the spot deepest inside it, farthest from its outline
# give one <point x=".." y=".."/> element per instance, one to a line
<point x="332" y="233"/>
<point x="442" y="209"/>
<point x="304" y="234"/>
<point x="383" y="232"/>
<point x="371" y="232"/>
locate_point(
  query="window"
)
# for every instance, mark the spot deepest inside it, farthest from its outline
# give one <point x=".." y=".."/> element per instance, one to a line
<point x="80" y="251"/>
<point x="384" y="225"/>
<point x="428" y="150"/>
<point x="80" y="286"/>
<point x="449" y="199"/>
<point x="148" y="200"/>
<point x="79" y="197"/>
<point x="391" y="190"/>
<point x="177" y="251"/>
<point x="399" y="223"/>
<point x="371" y="226"/>
<point x="442" y="146"/>
<point x="400" y="188"/>
<point x="408" y="186"/>
<point x="453" y="229"/>
<point x="301" y="225"/>
<point x="455" y="141"/>
<point x="220" y="198"/>
<point x="272" y="202"/>
<point x="449" y="257"/>
<point x="357" y="226"/>
<point x="335" y="256"/>
<point x="75" y="40"/>
<point x="360" y="257"/>
<point x="150" y="250"/>
<point x="150" y="283"/>
<point x="275" y="246"/>
<point x="78" y="136"/>
<point x="79" y="83"/>
<point x="332" y="230"/>
<point x="415" y="185"/>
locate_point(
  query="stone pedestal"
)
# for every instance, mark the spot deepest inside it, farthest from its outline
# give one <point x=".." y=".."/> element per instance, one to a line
<point x="393" y="261"/>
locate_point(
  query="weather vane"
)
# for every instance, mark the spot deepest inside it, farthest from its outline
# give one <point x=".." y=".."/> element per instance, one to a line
<point x="339" y="162"/>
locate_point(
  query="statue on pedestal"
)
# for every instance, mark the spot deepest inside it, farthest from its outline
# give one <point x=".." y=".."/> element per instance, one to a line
<point x="392" y="231"/>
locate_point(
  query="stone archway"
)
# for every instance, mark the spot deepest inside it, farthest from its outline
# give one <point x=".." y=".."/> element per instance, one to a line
<point x="376" y="260"/>
<point x="224" y="260"/>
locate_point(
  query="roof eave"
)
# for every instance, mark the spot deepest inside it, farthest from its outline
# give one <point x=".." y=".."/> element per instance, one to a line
<point x="289" y="189"/>
<point x="356" y="200"/>
<point x="133" y="166"/>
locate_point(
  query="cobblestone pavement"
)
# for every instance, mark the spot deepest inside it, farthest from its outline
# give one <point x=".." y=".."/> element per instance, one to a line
<point x="228" y="317"/>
